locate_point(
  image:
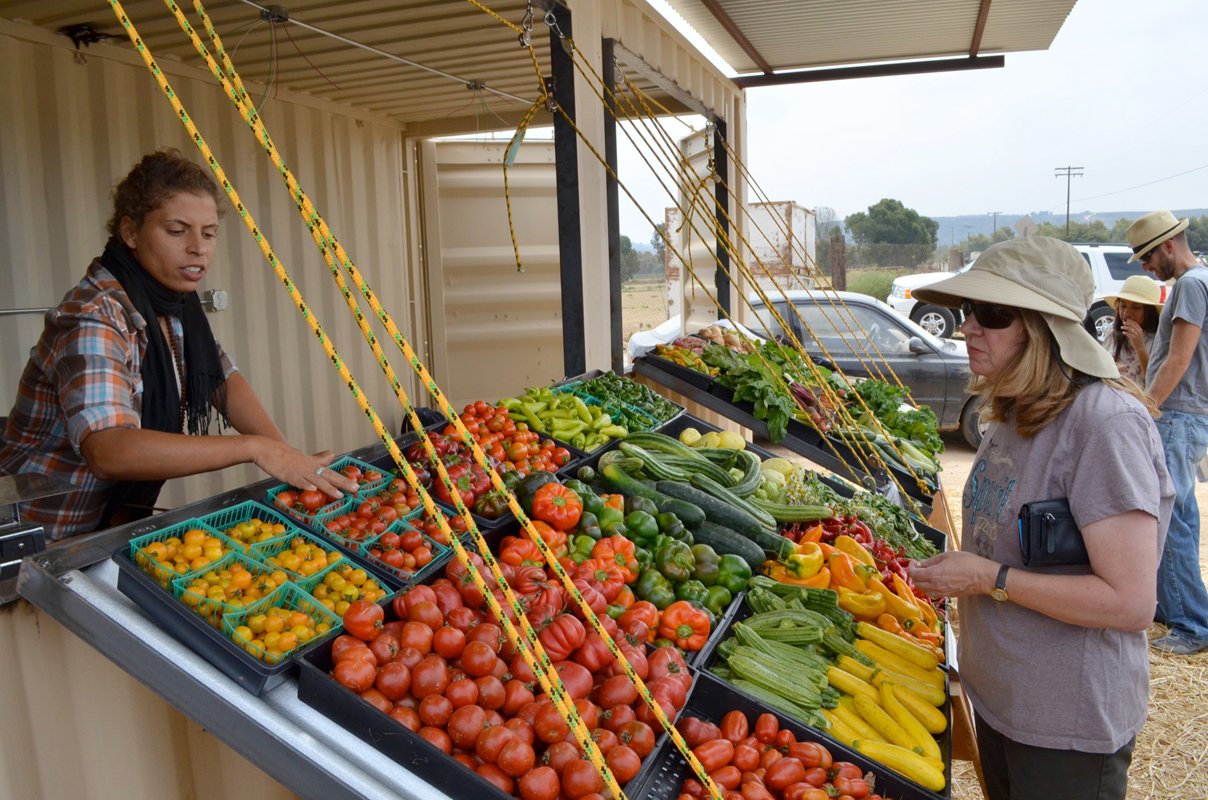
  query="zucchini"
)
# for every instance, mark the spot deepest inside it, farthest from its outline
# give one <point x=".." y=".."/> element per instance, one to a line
<point x="725" y="495"/>
<point x="715" y="510"/>
<point x="723" y="540"/>
<point x="621" y="481"/>
<point x="752" y="474"/>
<point x="651" y="464"/>
<point x="782" y="512"/>
<point x="662" y="443"/>
<point x="696" y="465"/>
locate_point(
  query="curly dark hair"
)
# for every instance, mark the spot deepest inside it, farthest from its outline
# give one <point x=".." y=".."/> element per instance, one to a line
<point x="155" y="178"/>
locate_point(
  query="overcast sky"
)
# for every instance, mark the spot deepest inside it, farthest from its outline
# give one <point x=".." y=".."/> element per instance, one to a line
<point x="1122" y="92"/>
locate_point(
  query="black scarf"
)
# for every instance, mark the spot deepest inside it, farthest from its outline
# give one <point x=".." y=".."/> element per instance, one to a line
<point x="161" y="406"/>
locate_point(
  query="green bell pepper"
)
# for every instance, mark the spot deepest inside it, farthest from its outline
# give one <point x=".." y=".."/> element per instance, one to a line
<point x="718" y="600"/>
<point x="592" y="502"/>
<point x="693" y="591"/>
<point x="589" y="525"/>
<point x="511" y="479"/>
<point x="638" y="503"/>
<point x="707" y="564"/>
<point x="675" y="561"/>
<point x="670" y="525"/>
<point x="733" y="573"/>
<point x="609" y="518"/>
<point x="653" y="587"/>
<point x="642" y="527"/>
<point x="581" y="547"/>
<point x="644" y="557"/>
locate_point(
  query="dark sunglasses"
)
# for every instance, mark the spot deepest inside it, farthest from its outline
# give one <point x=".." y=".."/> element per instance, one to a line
<point x="990" y="315"/>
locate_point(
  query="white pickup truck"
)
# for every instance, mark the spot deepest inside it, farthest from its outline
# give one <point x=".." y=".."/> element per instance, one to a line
<point x="1108" y="264"/>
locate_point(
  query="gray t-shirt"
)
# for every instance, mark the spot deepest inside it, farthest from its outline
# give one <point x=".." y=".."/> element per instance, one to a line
<point x="1037" y="680"/>
<point x="1188" y="301"/>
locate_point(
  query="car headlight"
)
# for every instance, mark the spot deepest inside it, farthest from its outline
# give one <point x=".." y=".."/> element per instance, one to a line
<point x="899" y="292"/>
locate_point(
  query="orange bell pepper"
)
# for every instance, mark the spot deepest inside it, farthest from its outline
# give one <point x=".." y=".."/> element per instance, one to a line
<point x="812" y="534"/>
<point x="843" y="573"/>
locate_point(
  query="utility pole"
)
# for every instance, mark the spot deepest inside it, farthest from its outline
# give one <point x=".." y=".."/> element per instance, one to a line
<point x="994" y="224"/>
<point x="1069" y="173"/>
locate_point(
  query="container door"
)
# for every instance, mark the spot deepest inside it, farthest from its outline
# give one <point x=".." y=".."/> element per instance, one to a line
<point x="494" y="329"/>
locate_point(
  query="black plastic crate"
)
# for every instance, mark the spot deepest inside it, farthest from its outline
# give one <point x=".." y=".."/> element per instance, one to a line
<point x="194" y="632"/>
<point x="712" y="699"/>
<point x="709" y="656"/>
<point x="319" y="690"/>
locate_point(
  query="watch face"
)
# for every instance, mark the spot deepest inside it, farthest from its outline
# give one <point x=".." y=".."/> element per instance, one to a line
<point x="999" y="594"/>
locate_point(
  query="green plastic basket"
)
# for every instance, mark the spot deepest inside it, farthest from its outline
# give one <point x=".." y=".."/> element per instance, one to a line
<point x="302" y="516"/>
<point x="275" y="547"/>
<point x="312" y="584"/>
<point x="399" y="526"/>
<point x="163" y="574"/>
<point x="292" y="598"/>
<point x="213" y="610"/>
<point x="365" y="486"/>
<point x="249" y="512"/>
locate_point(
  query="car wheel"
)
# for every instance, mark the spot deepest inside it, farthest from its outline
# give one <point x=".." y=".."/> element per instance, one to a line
<point x="972" y="428"/>
<point x="936" y="320"/>
<point x="1099" y="321"/>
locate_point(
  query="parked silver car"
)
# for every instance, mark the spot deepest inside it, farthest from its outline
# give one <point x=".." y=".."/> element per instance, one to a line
<point x="859" y="334"/>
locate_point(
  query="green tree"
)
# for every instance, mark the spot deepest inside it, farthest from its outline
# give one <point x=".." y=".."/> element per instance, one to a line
<point x="658" y="242"/>
<point x="629" y="260"/>
<point x="890" y="222"/>
<point x="1197" y="234"/>
<point x="1079" y="231"/>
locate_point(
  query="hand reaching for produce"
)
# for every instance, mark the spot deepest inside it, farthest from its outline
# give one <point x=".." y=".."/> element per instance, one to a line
<point x="954" y="574"/>
<point x="308" y="472"/>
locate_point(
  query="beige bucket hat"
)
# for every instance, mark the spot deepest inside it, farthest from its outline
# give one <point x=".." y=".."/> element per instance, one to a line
<point x="1038" y="273"/>
<point x="1138" y="289"/>
<point x="1151" y="230"/>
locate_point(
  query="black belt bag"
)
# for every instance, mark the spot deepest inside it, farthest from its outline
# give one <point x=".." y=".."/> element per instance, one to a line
<point x="1048" y="535"/>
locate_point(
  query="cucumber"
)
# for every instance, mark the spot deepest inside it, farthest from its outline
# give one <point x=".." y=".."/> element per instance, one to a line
<point x="716" y="511"/>
<point x="626" y="484"/>
<point x="752" y="474"/>
<point x="788" y="513"/>
<point x="723" y="540"/>
<point x="725" y="495"/>
<point x="691" y="465"/>
<point x="651" y="464"/>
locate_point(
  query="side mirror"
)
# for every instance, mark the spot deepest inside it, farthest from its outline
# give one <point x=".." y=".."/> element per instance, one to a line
<point x="918" y="346"/>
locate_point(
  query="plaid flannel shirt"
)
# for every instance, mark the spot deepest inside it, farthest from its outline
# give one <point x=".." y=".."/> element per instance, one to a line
<point x="84" y="375"/>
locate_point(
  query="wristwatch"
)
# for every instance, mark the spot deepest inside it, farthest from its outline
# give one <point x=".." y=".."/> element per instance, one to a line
<point x="999" y="592"/>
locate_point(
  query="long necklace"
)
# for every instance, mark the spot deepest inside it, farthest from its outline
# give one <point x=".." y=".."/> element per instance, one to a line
<point x="177" y="349"/>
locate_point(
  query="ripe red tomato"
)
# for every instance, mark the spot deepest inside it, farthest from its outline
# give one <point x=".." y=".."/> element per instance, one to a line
<point x="465" y="726"/>
<point x="393" y="681"/>
<point x="429" y="676"/>
<point x="580" y="778"/>
<point x="516" y="758"/>
<point x="364" y="620"/>
<point x="355" y="674"/>
<point x="623" y="762"/>
<point x="311" y="500"/>
<point x="540" y="784"/>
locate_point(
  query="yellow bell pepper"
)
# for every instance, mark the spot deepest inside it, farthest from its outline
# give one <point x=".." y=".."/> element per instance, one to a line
<point x="907" y="613"/>
<point x="820" y="580"/>
<point x="806" y="561"/>
<point x="854" y="549"/>
<point x="862" y="605"/>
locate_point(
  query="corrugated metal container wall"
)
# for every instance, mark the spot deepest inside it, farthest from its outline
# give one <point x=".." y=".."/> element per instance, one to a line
<point x="75" y="725"/>
<point x="77" y="123"/>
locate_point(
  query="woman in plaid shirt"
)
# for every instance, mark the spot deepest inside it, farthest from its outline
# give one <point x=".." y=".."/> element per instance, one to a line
<point x="119" y="391"/>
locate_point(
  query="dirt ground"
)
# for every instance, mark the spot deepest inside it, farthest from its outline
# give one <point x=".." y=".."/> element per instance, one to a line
<point x="1169" y="761"/>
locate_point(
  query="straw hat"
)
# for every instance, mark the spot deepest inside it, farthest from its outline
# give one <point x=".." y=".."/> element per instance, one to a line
<point x="1151" y="230"/>
<point x="1138" y="289"/>
<point x="1038" y="273"/>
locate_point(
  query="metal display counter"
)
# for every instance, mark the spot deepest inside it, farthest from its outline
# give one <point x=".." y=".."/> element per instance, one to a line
<point x="76" y="584"/>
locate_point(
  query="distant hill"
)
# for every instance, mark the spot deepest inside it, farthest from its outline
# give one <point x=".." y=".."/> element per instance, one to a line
<point x="956" y="229"/>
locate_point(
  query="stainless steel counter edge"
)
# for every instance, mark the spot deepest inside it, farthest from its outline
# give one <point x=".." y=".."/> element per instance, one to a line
<point x="298" y="746"/>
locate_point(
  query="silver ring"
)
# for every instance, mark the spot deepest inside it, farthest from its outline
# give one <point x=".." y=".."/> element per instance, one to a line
<point x="319" y="470"/>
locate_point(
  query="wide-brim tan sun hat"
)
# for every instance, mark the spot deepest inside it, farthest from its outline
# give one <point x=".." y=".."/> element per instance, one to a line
<point x="1038" y="273"/>
<point x="1151" y="230"/>
<point x="1138" y="289"/>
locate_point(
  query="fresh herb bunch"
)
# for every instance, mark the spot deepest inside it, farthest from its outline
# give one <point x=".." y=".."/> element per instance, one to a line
<point x="916" y="424"/>
<point x="756" y="378"/>
<point x="887" y="519"/>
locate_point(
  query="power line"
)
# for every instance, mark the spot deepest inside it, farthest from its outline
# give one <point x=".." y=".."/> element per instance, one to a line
<point x="1149" y="183"/>
<point x="1069" y="173"/>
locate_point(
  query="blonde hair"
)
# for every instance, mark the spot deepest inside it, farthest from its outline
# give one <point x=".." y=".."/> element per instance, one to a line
<point x="1037" y="386"/>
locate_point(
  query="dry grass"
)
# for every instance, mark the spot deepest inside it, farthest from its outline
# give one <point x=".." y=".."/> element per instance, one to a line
<point x="1171" y="756"/>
